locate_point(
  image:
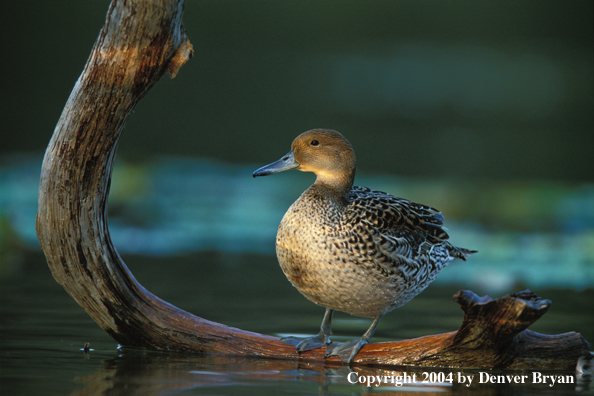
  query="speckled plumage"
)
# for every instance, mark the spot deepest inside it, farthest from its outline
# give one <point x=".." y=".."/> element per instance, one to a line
<point x="354" y="249"/>
<point x="365" y="258"/>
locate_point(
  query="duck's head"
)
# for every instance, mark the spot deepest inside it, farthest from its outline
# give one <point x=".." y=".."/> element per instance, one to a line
<point x="322" y="151"/>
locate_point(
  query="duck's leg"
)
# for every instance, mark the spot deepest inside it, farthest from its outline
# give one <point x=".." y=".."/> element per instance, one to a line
<point x="348" y="350"/>
<point x="318" y="341"/>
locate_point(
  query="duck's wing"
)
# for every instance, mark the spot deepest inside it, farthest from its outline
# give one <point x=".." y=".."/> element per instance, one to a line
<point x="401" y="231"/>
<point x="397" y="216"/>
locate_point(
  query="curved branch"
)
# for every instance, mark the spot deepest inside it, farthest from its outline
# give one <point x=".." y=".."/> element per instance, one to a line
<point x="140" y="42"/>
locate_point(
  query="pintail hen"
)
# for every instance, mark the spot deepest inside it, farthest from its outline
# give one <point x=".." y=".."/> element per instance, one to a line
<point x="353" y="249"/>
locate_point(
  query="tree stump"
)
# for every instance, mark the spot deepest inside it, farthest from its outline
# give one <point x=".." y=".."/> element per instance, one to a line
<point x="141" y="41"/>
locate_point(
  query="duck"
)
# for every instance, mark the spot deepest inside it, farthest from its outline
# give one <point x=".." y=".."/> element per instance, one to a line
<point x="353" y="249"/>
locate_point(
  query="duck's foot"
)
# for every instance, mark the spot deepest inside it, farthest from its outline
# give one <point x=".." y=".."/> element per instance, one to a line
<point x="303" y="344"/>
<point x="346" y="351"/>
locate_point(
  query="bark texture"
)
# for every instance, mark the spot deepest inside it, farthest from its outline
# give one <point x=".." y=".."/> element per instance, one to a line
<point x="141" y="41"/>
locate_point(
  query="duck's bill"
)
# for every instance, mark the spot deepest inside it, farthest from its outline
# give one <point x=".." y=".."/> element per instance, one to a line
<point x="284" y="164"/>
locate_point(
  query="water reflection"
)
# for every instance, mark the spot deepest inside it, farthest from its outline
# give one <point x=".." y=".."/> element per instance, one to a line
<point x="149" y="373"/>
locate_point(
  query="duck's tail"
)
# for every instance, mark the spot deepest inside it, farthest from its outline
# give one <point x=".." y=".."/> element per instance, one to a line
<point x="462" y="253"/>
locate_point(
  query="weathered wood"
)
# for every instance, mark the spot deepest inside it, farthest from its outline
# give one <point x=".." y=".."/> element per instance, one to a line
<point x="492" y="335"/>
<point x="141" y="41"/>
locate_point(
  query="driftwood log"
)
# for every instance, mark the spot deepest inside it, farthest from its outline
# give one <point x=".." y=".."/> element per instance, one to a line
<point x="140" y="42"/>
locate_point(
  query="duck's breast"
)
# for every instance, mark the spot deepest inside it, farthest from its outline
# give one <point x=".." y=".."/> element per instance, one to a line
<point x="329" y="261"/>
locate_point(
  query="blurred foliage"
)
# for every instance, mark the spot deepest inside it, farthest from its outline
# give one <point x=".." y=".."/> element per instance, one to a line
<point x="470" y="89"/>
<point x="172" y="205"/>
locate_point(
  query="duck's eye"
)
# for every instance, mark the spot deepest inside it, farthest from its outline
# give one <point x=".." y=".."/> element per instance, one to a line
<point x="314" y="143"/>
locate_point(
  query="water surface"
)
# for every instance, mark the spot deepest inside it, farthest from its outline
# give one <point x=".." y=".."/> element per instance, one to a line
<point x="43" y="330"/>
